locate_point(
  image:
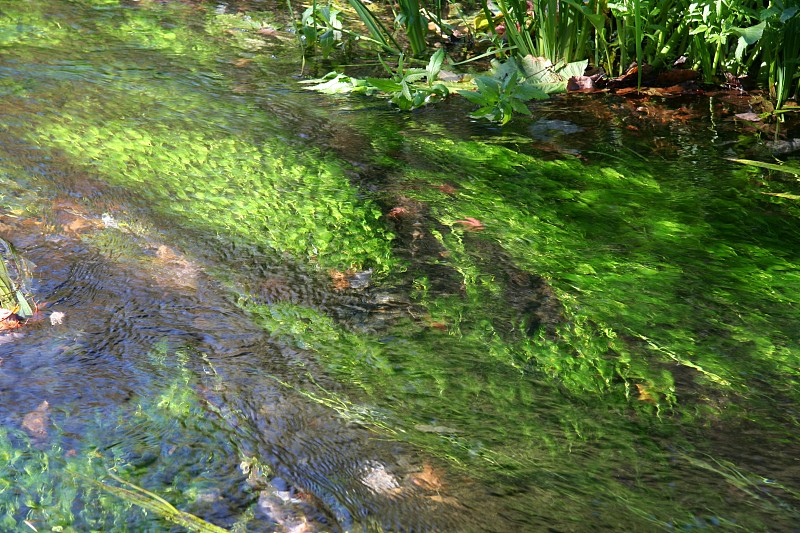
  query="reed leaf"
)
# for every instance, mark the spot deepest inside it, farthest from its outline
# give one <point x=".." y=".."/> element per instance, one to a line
<point x="415" y="25"/>
<point x="782" y="167"/>
<point x="12" y="296"/>
<point x="155" y="504"/>
<point x="375" y="27"/>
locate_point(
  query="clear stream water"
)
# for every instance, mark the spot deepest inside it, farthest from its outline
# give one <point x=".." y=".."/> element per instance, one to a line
<point x="286" y="311"/>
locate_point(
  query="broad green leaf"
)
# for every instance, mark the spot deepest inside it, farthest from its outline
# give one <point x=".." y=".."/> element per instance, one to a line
<point x="338" y="85"/>
<point x="405" y="90"/>
<point x="752" y="34"/>
<point x="576" y="68"/>
<point x="441" y="89"/>
<point x="474" y="96"/>
<point x="549" y="88"/>
<point x="435" y="65"/>
<point x="520" y="107"/>
<point x="529" y="91"/>
<point x="384" y="85"/>
<point x="788" y="13"/>
<point x="414" y="76"/>
<point x="490" y="87"/>
<point x="503" y="71"/>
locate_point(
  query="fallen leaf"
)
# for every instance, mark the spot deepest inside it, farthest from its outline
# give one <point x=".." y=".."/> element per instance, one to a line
<point x="397" y="212"/>
<point x="750" y="117"/>
<point x="428" y="479"/>
<point x="76" y="224"/>
<point x="339" y="279"/>
<point x="644" y="394"/>
<point x="447" y="188"/>
<point x="581" y="83"/>
<point x="676" y="76"/>
<point x="10" y="322"/>
<point x="269" y="32"/>
<point x="471" y="224"/>
<point x="449" y="500"/>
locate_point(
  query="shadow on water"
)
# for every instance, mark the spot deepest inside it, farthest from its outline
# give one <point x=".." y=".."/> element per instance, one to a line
<point x="283" y="311"/>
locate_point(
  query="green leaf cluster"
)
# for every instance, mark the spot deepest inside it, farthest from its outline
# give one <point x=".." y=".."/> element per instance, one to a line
<point x="512" y="83"/>
<point x="405" y="87"/>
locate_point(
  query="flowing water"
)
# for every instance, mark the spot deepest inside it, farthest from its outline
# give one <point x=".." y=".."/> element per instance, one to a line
<point x="285" y="311"/>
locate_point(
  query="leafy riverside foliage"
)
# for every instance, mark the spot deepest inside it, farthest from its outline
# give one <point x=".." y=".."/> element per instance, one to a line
<point x="716" y="37"/>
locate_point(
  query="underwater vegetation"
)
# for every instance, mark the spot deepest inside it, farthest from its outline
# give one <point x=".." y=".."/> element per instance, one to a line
<point x="574" y="336"/>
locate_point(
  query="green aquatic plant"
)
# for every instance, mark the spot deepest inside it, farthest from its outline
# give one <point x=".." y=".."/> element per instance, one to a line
<point x="789" y="168"/>
<point x="320" y="26"/>
<point x="581" y="414"/>
<point x="380" y="34"/>
<point x="404" y="87"/>
<point x="513" y="83"/>
<point x="411" y="17"/>
<point x="55" y="482"/>
<point x="594" y="279"/>
<point x="318" y="218"/>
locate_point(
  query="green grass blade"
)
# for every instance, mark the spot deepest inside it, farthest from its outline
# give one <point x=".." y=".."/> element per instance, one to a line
<point x="375" y="26"/>
<point x="155" y="504"/>
<point x="789" y="169"/>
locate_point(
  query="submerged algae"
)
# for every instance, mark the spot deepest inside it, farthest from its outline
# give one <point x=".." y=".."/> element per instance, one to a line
<point x="657" y="279"/>
<point x="130" y="132"/>
<point x="698" y="259"/>
<point x="63" y="485"/>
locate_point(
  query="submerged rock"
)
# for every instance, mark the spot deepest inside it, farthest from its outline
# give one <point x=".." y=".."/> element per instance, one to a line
<point x="547" y="130"/>
<point x="783" y="147"/>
